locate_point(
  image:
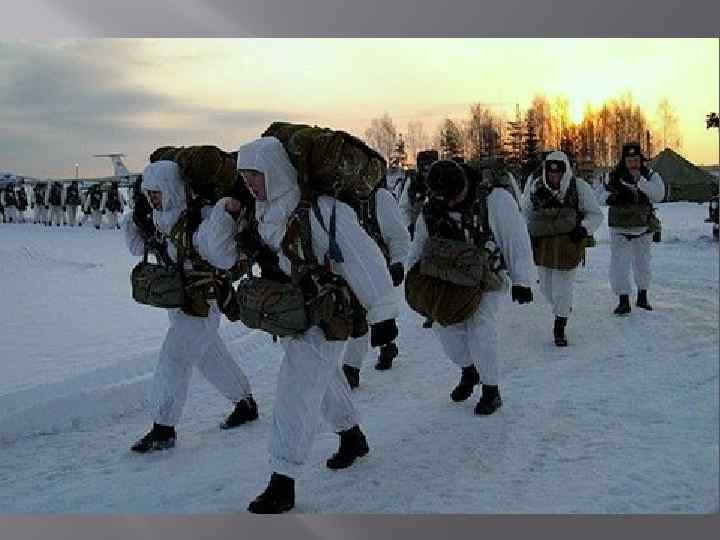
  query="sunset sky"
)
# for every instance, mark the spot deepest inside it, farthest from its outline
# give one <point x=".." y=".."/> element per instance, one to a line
<point x="62" y="101"/>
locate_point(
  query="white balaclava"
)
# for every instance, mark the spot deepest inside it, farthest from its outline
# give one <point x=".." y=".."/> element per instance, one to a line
<point x="165" y="176"/>
<point x="565" y="181"/>
<point x="267" y="155"/>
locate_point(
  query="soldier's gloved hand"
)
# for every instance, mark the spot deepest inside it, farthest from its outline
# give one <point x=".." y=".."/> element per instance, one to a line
<point x="521" y="295"/>
<point x="578" y="234"/>
<point x="249" y="242"/>
<point x="103" y="212"/>
<point x="383" y="333"/>
<point x="612" y="199"/>
<point x="47" y="207"/>
<point x="64" y="208"/>
<point x="397" y="273"/>
<point x="411" y="230"/>
<point x="143" y="221"/>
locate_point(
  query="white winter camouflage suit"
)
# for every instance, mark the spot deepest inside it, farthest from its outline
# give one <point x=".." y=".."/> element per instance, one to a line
<point x="630" y="247"/>
<point x="190" y="341"/>
<point x="56" y="214"/>
<point x="311" y="383"/>
<point x="475" y="341"/>
<point x="397" y="239"/>
<point x="41" y="213"/>
<point x="557" y="285"/>
<point x="97" y="213"/>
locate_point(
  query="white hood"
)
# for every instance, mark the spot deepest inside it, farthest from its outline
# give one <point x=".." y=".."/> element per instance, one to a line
<point x="267" y="155"/>
<point x="165" y="176"/>
<point x="565" y="182"/>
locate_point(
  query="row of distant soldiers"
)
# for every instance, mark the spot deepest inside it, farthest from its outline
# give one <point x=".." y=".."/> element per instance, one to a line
<point x="56" y="203"/>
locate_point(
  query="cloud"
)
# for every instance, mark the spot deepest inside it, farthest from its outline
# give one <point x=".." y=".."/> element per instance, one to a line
<point x="67" y="100"/>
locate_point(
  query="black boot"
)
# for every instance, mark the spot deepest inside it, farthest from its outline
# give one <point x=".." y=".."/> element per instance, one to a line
<point x="353" y="445"/>
<point x="278" y="497"/>
<point x="642" y="301"/>
<point x="490" y="400"/>
<point x="468" y="380"/>
<point x="387" y="355"/>
<point x="559" y="331"/>
<point x="159" y="438"/>
<point x="624" y="305"/>
<point x="352" y="374"/>
<point x="245" y="411"/>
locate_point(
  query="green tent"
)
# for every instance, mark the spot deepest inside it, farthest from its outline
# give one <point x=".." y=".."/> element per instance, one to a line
<point x="683" y="180"/>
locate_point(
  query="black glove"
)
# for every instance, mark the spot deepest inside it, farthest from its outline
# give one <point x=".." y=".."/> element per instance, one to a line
<point x="269" y="264"/>
<point x="578" y="234"/>
<point x="64" y="208"/>
<point x="521" y="295"/>
<point x="397" y="273"/>
<point x="249" y="242"/>
<point x="47" y="207"/>
<point x="103" y="212"/>
<point x="411" y="230"/>
<point x="383" y="333"/>
<point x="143" y="221"/>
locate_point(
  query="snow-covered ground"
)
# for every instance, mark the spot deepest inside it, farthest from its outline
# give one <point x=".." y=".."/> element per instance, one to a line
<point x="625" y="420"/>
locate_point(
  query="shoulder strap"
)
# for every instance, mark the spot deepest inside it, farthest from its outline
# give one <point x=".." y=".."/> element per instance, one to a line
<point x="334" y="253"/>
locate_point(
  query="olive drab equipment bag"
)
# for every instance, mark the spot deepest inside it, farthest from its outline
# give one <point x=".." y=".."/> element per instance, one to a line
<point x="630" y="215"/>
<point x="157" y="285"/>
<point x="550" y="222"/>
<point x="313" y="296"/>
<point x="271" y="306"/>
<point x="446" y="303"/>
<point x="448" y="283"/>
<point x="461" y="263"/>
<point x="187" y="284"/>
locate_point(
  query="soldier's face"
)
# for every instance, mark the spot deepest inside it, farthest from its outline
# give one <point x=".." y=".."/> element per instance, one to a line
<point x="255" y="181"/>
<point x="554" y="178"/>
<point x="632" y="163"/>
<point x="155" y="198"/>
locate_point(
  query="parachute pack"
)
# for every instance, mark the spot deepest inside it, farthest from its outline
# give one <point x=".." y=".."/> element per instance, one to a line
<point x="210" y="171"/>
<point x="329" y="162"/>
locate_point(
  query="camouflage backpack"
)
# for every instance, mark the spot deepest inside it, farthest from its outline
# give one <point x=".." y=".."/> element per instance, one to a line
<point x="210" y="171"/>
<point x="329" y="162"/>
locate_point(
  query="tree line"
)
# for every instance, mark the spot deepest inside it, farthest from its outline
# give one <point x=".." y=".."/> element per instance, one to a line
<point x="519" y="138"/>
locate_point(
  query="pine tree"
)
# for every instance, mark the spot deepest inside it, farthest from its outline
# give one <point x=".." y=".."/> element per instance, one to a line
<point x="451" y="143"/>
